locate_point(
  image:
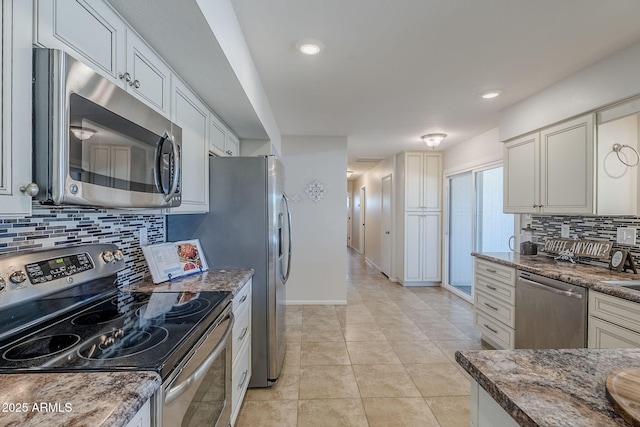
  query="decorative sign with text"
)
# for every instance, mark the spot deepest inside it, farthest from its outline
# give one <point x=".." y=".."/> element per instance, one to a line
<point x="589" y="248"/>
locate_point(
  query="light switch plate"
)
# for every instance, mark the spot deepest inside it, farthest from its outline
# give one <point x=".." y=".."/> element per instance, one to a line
<point x="565" y="230"/>
<point x="626" y="236"/>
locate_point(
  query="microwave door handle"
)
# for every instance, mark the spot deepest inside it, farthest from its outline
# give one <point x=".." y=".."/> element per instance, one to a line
<point x="158" y="169"/>
<point x="175" y="391"/>
<point x="176" y="167"/>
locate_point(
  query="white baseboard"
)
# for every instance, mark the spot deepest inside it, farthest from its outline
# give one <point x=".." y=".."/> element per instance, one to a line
<point x="314" y="302"/>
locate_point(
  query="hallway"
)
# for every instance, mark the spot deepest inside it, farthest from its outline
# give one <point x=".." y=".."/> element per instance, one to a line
<point x="384" y="359"/>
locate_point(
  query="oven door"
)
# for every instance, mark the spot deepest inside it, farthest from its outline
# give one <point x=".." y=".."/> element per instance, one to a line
<point x="199" y="392"/>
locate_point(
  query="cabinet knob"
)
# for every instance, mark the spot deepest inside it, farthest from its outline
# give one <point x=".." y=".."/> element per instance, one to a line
<point x="126" y="77"/>
<point x="31" y="189"/>
<point x="229" y="152"/>
<point x="135" y="83"/>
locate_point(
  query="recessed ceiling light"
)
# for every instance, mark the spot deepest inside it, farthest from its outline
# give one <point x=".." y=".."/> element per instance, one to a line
<point x="490" y="94"/>
<point x="310" y="46"/>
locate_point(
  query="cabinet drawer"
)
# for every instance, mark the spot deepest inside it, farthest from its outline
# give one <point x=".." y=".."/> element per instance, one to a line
<point x="241" y="330"/>
<point x="505" y="313"/>
<point x="603" y="334"/>
<point x="240" y="375"/>
<point x="615" y="310"/>
<point x="243" y="298"/>
<point x="495" y="289"/>
<point x="491" y="270"/>
<point x="497" y="333"/>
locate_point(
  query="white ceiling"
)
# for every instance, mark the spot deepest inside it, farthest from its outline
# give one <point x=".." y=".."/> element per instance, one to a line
<point x="392" y="70"/>
<point x="395" y="70"/>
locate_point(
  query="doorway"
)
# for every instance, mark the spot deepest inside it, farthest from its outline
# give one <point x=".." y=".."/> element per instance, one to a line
<point x="361" y="218"/>
<point x="386" y="221"/>
<point x="474" y="222"/>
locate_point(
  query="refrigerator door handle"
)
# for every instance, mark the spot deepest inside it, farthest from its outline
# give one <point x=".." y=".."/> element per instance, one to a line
<point x="285" y="276"/>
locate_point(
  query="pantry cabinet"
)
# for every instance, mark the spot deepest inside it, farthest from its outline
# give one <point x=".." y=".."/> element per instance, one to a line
<point x="92" y="32"/>
<point x="15" y="108"/>
<point x="419" y="217"/>
<point x="241" y="348"/>
<point x="551" y="171"/>
<point x="192" y="116"/>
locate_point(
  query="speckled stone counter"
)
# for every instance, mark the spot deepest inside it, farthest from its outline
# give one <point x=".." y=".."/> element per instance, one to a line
<point x="74" y="399"/>
<point x="587" y="276"/>
<point x="550" y="387"/>
<point x="211" y="280"/>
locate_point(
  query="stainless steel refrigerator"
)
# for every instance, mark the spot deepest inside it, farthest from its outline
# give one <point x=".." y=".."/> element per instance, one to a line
<point x="248" y="226"/>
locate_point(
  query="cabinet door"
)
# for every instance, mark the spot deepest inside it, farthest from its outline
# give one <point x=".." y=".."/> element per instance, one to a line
<point x="413" y="247"/>
<point x="414" y="182"/>
<point x="431" y="244"/>
<point x="15" y="108"/>
<point x="566" y="167"/>
<point x="150" y="76"/>
<point x="232" y="147"/>
<point x="608" y="335"/>
<point x="193" y="117"/>
<point x="432" y="181"/>
<point x="87" y="29"/>
<point x="521" y="174"/>
<point x="217" y="135"/>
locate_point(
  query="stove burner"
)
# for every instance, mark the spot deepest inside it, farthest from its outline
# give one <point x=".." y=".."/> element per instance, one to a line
<point x="118" y="343"/>
<point x="97" y="317"/>
<point x="41" y="347"/>
<point x="182" y="309"/>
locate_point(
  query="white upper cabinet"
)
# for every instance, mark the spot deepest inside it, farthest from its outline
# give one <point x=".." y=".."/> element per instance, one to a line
<point x="92" y="32"/>
<point x="193" y="117"/>
<point x="551" y="171"/>
<point x="221" y="141"/>
<point x="15" y="109"/>
<point x="422" y="181"/>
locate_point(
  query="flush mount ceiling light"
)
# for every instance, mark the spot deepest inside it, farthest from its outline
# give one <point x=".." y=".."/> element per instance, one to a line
<point x="433" y="139"/>
<point x="490" y="94"/>
<point x="310" y="46"/>
<point x="82" y="133"/>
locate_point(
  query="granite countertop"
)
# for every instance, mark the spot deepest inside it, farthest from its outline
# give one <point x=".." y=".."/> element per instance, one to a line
<point x="74" y="399"/>
<point x="550" y="387"/>
<point x="231" y="279"/>
<point x="587" y="276"/>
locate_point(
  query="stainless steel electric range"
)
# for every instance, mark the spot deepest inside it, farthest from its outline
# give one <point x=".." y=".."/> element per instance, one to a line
<point x="61" y="311"/>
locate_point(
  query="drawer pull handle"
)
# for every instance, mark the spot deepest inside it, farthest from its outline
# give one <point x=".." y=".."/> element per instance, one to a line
<point x="244" y="333"/>
<point x="243" y="299"/>
<point x="490" y="328"/>
<point x="491" y="287"/>
<point x="491" y="270"/>
<point x="491" y="307"/>
<point x="244" y="379"/>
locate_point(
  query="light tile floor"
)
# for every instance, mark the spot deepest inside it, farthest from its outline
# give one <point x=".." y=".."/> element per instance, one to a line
<point x="384" y="359"/>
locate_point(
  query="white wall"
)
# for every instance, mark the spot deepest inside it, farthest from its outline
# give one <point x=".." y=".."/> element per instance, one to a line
<point x="609" y="80"/>
<point x="318" y="265"/>
<point x="372" y="181"/>
<point x="482" y="149"/>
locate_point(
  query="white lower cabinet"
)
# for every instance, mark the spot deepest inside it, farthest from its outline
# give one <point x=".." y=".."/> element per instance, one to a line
<point x="495" y="303"/>
<point x="485" y="411"/>
<point x="241" y="348"/>
<point x="613" y="322"/>
<point x="143" y="417"/>
<point x="422" y="247"/>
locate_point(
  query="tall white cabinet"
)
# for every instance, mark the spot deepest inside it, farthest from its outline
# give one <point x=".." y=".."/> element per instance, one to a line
<point x="419" y="217"/>
<point x="15" y="109"/>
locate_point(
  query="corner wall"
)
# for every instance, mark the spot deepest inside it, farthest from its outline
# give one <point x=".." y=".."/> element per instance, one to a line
<point x="318" y="264"/>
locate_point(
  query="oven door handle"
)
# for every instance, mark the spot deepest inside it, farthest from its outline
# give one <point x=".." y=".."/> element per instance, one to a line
<point x="175" y="391"/>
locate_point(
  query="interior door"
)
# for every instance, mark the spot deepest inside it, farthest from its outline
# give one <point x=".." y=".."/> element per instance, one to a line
<point x="386" y="226"/>
<point x="363" y="203"/>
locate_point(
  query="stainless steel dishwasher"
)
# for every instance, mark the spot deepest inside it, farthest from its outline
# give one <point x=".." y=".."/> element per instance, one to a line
<point x="549" y="313"/>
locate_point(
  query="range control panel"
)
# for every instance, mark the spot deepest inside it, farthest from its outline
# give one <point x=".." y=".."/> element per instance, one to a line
<point x="29" y="275"/>
<point x="55" y="268"/>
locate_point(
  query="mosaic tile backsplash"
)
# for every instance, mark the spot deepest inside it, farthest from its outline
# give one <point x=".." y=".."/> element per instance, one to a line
<point x="588" y="227"/>
<point x="54" y="226"/>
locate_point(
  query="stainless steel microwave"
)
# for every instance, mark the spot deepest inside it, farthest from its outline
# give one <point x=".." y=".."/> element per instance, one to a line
<point x="95" y="144"/>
